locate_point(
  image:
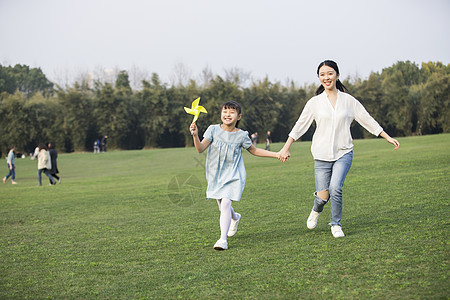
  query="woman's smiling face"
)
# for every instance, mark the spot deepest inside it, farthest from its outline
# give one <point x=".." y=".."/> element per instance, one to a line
<point x="328" y="77"/>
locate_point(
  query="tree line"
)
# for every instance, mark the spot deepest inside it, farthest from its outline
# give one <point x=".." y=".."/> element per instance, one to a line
<point x="405" y="98"/>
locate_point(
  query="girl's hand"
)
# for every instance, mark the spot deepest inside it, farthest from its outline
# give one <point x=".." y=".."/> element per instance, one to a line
<point x="193" y="129"/>
<point x="279" y="157"/>
<point x="283" y="155"/>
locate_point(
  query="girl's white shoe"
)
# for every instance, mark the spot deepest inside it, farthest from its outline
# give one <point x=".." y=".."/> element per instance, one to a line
<point x="234" y="225"/>
<point x="221" y="245"/>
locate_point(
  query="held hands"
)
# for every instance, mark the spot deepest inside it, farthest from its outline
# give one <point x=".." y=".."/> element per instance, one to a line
<point x="283" y="155"/>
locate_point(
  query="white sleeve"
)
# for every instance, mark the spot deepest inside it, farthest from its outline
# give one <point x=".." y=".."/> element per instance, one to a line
<point x="303" y="123"/>
<point x="366" y="120"/>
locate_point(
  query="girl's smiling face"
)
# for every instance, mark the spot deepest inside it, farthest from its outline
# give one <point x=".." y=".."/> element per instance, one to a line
<point x="328" y="77"/>
<point x="230" y="116"/>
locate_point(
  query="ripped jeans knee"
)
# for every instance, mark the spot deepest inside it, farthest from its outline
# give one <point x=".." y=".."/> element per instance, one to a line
<point x="319" y="203"/>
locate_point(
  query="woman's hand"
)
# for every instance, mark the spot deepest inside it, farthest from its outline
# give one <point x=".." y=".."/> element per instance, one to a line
<point x="284" y="152"/>
<point x="390" y="140"/>
<point x="283" y="155"/>
<point x="394" y="142"/>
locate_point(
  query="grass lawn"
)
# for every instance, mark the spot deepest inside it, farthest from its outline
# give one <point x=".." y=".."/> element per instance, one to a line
<point x="135" y="225"/>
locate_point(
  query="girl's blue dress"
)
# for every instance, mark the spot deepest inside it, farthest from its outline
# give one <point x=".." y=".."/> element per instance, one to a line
<point x="225" y="170"/>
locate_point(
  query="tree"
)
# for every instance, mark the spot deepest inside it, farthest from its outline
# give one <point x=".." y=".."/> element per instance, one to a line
<point x="262" y="106"/>
<point x="292" y="101"/>
<point x="434" y="115"/>
<point x="396" y="101"/>
<point x="15" y="128"/>
<point x="370" y="93"/>
<point x="123" y="83"/>
<point x="113" y="114"/>
<point x="45" y="126"/>
<point x="25" y="80"/>
<point x="77" y="119"/>
<point x="154" y="115"/>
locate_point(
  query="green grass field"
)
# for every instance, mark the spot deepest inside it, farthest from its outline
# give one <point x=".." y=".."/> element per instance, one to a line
<point x="122" y="225"/>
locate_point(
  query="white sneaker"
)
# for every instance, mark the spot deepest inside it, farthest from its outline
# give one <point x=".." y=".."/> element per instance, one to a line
<point x="221" y="245"/>
<point x="336" y="230"/>
<point x="311" y="223"/>
<point x="234" y="226"/>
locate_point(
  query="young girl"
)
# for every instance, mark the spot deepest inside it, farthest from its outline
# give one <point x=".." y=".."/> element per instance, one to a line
<point x="333" y="110"/>
<point x="225" y="171"/>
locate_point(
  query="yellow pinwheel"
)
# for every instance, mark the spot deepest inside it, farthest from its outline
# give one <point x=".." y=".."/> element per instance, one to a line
<point x="195" y="109"/>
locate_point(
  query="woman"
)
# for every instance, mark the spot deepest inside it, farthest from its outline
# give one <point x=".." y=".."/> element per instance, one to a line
<point x="53" y="157"/>
<point x="44" y="164"/>
<point x="333" y="110"/>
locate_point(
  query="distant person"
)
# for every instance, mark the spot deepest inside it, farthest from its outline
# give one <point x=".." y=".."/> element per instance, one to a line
<point x="53" y="159"/>
<point x="10" y="161"/>
<point x="268" y="140"/>
<point x="97" y="146"/>
<point x="333" y="111"/>
<point x="254" y="138"/>
<point x="35" y="154"/>
<point x="44" y="164"/>
<point x="104" y="142"/>
<point x="225" y="170"/>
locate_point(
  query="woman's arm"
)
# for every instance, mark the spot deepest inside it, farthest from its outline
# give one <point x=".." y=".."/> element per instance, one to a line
<point x="301" y="126"/>
<point x="390" y="140"/>
<point x="200" y="146"/>
<point x="284" y="152"/>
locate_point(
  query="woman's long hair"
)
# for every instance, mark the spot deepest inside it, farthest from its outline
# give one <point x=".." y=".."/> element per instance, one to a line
<point x="42" y="146"/>
<point x="339" y="84"/>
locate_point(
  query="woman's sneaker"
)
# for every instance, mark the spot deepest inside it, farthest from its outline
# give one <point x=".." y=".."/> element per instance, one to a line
<point x="336" y="230"/>
<point x="311" y="223"/>
<point x="221" y="245"/>
<point x="234" y="225"/>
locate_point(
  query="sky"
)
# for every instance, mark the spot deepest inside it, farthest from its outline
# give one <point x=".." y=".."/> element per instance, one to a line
<point x="281" y="39"/>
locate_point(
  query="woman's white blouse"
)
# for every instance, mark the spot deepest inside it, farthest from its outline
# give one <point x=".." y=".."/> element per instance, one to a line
<point x="332" y="138"/>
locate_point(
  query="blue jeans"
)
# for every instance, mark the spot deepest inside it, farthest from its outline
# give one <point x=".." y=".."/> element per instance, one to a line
<point x="46" y="172"/>
<point x="11" y="173"/>
<point x="330" y="176"/>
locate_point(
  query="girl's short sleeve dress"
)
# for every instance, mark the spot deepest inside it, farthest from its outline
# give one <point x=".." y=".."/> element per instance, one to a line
<point x="225" y="170"/>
